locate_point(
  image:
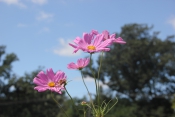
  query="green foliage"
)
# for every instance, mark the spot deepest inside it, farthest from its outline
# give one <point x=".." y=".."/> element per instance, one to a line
<point x="5" y="64"/>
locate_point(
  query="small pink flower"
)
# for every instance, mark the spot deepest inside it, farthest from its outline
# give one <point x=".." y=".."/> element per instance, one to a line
<point x="81" y="63"/>
<point x="50" y="81"/>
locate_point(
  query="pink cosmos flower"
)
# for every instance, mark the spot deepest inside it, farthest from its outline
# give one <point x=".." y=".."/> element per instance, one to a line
<point x="91" y="43"/>
<point x="94" y="45"/>
<point x="81" y="63"/>
<point x="50" y="81"/>
<point x="115" y="40"/>
<point x="87" y="36"/>
<point x="95" y="42"/>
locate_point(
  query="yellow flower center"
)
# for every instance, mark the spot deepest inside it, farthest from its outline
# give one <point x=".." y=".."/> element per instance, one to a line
<point x="91" y="48"/>
<point x="51" y="84"/>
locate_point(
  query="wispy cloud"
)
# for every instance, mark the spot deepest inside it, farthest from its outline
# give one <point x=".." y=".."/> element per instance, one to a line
<point x="45" y="16"/>
<point x="40" y="2"/>
<point x="64" y="49"/>
<point x="21" y="25"/>
<point x="14" y="2"/>
<point x="69" y="25"/>
<point x="172" y="21"/>
<point x="44" y="30"/>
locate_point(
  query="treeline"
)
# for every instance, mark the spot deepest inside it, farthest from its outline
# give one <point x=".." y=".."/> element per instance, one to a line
<point x="141" y="73"/>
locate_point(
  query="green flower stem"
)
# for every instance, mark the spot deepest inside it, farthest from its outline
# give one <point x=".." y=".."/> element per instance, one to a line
<point x="112" y="106"/>
<point x="87" y="89"/>
<point x="73" y="103"/>
<point x="58" y="105"/>
<point x="101" y="57"/>
<point x="93" y="74"/>
<point x="84" y="111"/>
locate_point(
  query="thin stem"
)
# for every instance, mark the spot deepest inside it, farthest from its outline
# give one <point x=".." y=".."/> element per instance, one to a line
<point x="84" y="112"/>
<point x="112" y="106"/>
<point x="99" y="77"/>
<point x="73" y="103"/>
<point x="87" y="89"/>
<point x="96" y="85"/>
<point x="58" y="105"/>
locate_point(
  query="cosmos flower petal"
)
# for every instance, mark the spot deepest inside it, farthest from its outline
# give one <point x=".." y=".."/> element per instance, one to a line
<point x="72" y="66"/>
<point x="95" y="32"/>
<point x="98" y="39"/>
<point x="62" y="75"/>
<point x="39" y="81"/>
<point x="119" y="40"/>
<point x="74" y="46"/>
<point x="86" y="61"/>
<point x="112" y="36"/>
<point x="87" y="38"/>
<point x="82" y="45"/>
<point x="41" y="88"/>
<point x="106" y="34"/>
<point x="42" y="76"/>
<point x="105" y="43"/>
<point x="77" y="39"/>
<point x="50" y="74"/>
<point x="103" y="49"/>
<point x="80" y="62"/>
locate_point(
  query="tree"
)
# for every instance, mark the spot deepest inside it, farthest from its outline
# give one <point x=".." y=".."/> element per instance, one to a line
<point x="5" y="65"/>
<point x="144" y="67"/>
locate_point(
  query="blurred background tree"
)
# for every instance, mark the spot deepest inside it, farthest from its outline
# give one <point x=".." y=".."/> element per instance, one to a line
<point x="6" y="61"/>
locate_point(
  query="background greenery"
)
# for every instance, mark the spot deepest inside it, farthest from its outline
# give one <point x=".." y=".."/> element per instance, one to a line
<point x="141" y="73"/>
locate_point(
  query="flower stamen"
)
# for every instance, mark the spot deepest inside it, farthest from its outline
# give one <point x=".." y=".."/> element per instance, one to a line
<point x="91" y="47"/>
<point x="51" y="84"/>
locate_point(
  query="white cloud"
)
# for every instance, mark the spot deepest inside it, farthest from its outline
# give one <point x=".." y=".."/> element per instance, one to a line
<point x="45" y="29"/>
<point x="45" y="16"/>
<point x="63" y="1"/>
<point x="69" y="25"/>
<point x="64" y="49"/>
<point x="14" y="2"/>
<point x="172" y="21"/>
<point x="21" y="25"/>
<point x="40" y="2"/>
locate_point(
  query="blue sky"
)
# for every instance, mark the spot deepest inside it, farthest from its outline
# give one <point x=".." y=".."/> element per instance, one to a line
<point x="38" y="31"/>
